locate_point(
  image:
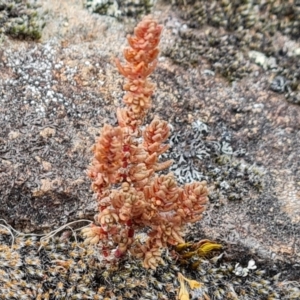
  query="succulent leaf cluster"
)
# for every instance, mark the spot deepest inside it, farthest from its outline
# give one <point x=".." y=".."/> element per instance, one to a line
<point x="131" y="195"/>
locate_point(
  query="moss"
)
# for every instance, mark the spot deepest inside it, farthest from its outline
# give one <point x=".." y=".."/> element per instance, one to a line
<point x="120" y="8"/>
<point x="64" y="268"/>
<point x="20" y="20"/>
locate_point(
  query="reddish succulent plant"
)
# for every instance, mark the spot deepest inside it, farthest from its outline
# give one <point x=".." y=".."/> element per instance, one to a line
<point x="131" y="195"/>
